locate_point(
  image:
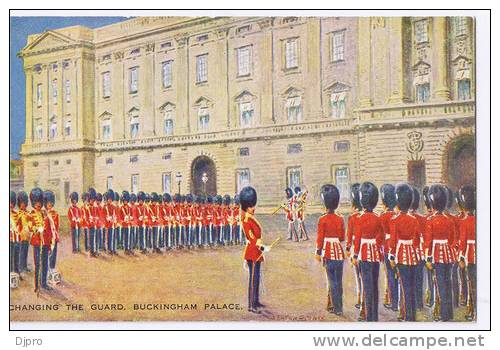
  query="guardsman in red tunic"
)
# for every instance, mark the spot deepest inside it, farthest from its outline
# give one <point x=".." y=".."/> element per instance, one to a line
<point x="110" y="223"/>
<point x="142" y="220"/>
<point x="219" y="228"/>
<point x="419" y="288"/>
<point x="24" y="229"/>
<point x="404" y="250"/>
<point x="236" y="220"/>
<point x="300" y="210"/>
<point x="209" y="219"/>
<point x="351" y="224"/>
<point x="290" y="216"/>
<point x="14" y="237"/>
<point x="149" y="222"/>
<point x="161" y="223"/>
<point x="85" y="212"/>
<point x="100" y="222"/>
<point x="438" y="243"/>
<point x="125" y="220"/>
<point x="93" y="220"/>
<point x="75" y="222"/>
<point x="391" y="296"/>
<point x="188" y="210"/>
<point x="198" y="221"/>
<point x="226" y="214"/>
<point x="39" y="240"/>
<point x="455" y="283"/>
<point x="429" y="292"/>
<point x="134" y="222"/>
<point x="255" y="248"/>
<point x="462" y="276"/>
<point x="467" y="246"/>
<point x="368" y="246"/>
<point x="155" y="222"/>
<point x="51" y="227"/>
<point x="331" y="234"/>
<point x="168" y="230"/>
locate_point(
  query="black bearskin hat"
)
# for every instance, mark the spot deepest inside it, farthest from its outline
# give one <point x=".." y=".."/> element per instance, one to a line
<point x="416" y="199"/>
<point x="248" y="197"/>
<point x="331" y="196"/>
<point x="467" y="196"/>
<point x="404" y="196"/>
<point x="355" y="197"/>
<point x="388" y="195"/>
<point x="368" y="194"/>
<point x="22" y="197"/>
<point x="13" y="198"/>
<point x="289" y="192"/>
<point x="73" y="197"/>
<point x="438" y="196"/>
<point x="36" y="196"/>
<point x="49" y="197"/>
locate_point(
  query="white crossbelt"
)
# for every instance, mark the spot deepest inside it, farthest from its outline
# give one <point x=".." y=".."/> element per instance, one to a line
<point x="387" y="236"/>
<point x="332" y="240"/>
<point x="405" y="241"/>
<point x="440" y="241"/>
<point x="471" y="241"/>
<point x="368" y="241"/>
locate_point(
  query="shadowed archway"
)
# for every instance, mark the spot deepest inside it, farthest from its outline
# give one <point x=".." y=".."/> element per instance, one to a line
<point x="201" y="165"/>
<point x="461" y="162"/>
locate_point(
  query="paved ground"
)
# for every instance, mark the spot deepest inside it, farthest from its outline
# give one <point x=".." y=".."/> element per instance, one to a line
<point x="294" y="285"/>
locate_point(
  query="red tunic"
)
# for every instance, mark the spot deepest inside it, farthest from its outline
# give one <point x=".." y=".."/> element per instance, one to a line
<point x="468" y="238"/>
<point x="141" y="215"/>
<point x="289" y="209"/>
<point x="38" y="234"/>
<point x="85" y="213"/>
<point x="226" y="213"/>
<point x="217" y="219"/>
<point x="134" y="221"/>
<point x="51" y="226"/>
<point x="124" y="217"/>
<point x="75" y="216"/>
<point x="110" y="215"/>
<point x="385" y="218"/>
<point x="368" y="237"/>
<point x="331" y="232"/>
<point x="155" y="215"/>
<point x="421" y="229"/>
<point x="198" y="215"/>
<point x="404" y="241"/>
<point x="438" y="238"/>
<point x="253" y="233"/>
<point x="351" y="224"/>
<point x="102" y="217"/>
<point x="13" y="231"/>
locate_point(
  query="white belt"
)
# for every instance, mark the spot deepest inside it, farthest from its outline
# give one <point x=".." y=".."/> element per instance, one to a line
<point x="387" y="236"/>
<point x="471" y="241"/>
<point x="332" y="240"/>
<point x="368" y="241"/>
<point x="440" y="241"/>
<point x="405" y="241"/>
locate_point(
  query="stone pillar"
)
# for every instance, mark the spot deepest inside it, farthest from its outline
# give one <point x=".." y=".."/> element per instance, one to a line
<point x="266" y="75"/>
<point x="364" y="62"/>
<point x="221" y="93"/>
<point x="146" y="88"/>
<point x="28" y="72"/>
<point x="398" y="62"/>
<point x="313" y="70"/>
<point x="440" y="84"/>
<point x="182" y="116"/>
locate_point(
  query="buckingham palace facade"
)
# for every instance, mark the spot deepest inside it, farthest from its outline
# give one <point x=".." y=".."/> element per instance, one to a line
<point x="267" y="101"/>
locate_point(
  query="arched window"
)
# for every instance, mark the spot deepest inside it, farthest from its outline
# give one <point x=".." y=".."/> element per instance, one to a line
<point x="246" y="110"/>
<point x="106" y="129"/>
<point x="134" y="126"/>
<point x="53" y="128"/>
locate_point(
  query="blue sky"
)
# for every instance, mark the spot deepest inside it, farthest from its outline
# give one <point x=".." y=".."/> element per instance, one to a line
<point x="20" y="28"/>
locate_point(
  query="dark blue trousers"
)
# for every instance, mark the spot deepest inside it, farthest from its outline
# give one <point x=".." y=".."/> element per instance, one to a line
<point x="369" y="276"/>
<point x="110" y="233"/>
<point x="408" y="276"/>
<point x="126" y="238"/>
<point x="334" y="270"/>
<point x="430" y="287"/>
<point x="41" y="262"/>
<point x="392" y="284"/>
<point x="93" y="240"/>
<point x="75" y="239"/>
<point x="472" y="296"/>
<point x="419" y="286"/>
<point x="86" y="234"/>
<point x="15" y="249"/>
<point x="455" y="284"/>
<point x="53" y="257"/>
<point x="253" y="283"/>
<point x="142" y="237"/>
<point x="444" y="289"/>
<point x="23" y="264"/>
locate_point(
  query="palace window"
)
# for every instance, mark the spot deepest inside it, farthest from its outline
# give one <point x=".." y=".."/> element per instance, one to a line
<point x="244" y="60"/>
<point x="167" y="74"/>
<point x="133" y="80"/>
<point x="67" y="127"/>
<point x="337" y="103"/>
<point x="463" y="89"/>
<point x="342" y="182"/>
<point x="53" y="128"/>
<point x="242" y="179"/>
<point x="294" y="177"/>
<point x="203" y="37"/>
<point x="109" y="161"/>
<point x="460" y="25"/>
<point x="54" y="91"/>
<point x="168" y="123"/>
<point x="106" y="129"/>
<point x="39" y="131"/>
<point x="341" y="146"/>
<point x="167" y="156"/>
<point x="134" y="126"/>
<point x="243" y="29"/>
<point x="134" y="183"/>
<point x="109" y="182"/>
<point x="67" y="90"/>
<point x="291" y="54"/>
<point x="244" y="151"/>
<point x="294" y="148"/>
<point x="246" y="114"/>
<point x="39" y="95"/>
<point x="338" y="46"/>
<point x="106" y="84"/>
<point x="202" y="68"/>
<point x="203" y="118"/>
<point x="166" y="180"/>
<point x="134" y="158"/>
<point x="166" y="45"/>
<point x="421" y="31"/>
<point x="294" y="109"/>
<point x="422" y="92"/>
